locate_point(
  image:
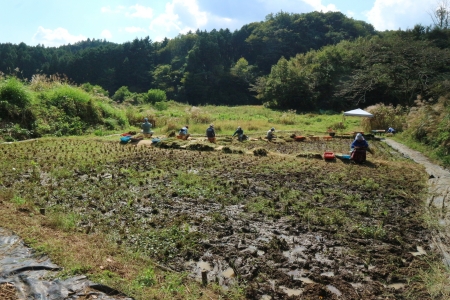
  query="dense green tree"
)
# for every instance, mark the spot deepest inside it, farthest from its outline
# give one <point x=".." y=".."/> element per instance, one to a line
<point x="287" y="87"/>
<point x="395" y="70"/>
<point x="243" y="70"/>
<point x="285" y="34"/>
<point x="121" y="94"/>
<point x="156" y="95"/>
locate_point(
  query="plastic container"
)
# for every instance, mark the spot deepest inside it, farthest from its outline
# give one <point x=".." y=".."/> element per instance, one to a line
<point x="125" y="139"/>
<point x="329" y="155"/>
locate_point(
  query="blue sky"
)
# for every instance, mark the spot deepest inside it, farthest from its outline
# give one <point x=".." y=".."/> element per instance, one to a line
<point x="59" y="22"/>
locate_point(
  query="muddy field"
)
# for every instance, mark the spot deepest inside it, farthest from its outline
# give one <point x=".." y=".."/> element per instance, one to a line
<point x="281" y="225"/>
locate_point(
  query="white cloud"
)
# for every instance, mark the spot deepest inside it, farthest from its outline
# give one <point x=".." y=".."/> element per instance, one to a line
<point x="140" y="11"/>
<point x="350" y="14"/>
<point x="318" y="6"/>
<point x="53" y="38"/>
<point x="106" y="34"/>
<point x="390" y="14"/>
<point x="134" y="29"/>
<point x="180" y="16"/>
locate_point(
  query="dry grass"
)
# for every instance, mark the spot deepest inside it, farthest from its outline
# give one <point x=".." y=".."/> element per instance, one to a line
<point x="92" y="255"/>
<point x="8" y="292"/>
<point x="41" y="82"/>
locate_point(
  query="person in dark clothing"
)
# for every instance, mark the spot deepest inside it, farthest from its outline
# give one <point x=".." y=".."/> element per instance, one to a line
<point x="240" y="133"/>
<point x="211" y="134"/>
<point x="359" y="148"/>
<point x="270" y="134"/>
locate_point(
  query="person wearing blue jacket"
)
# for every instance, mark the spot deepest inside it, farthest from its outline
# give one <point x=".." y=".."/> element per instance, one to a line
<point x="147" y="128"/>
<point x="359" y="147"/>
<point x="183" y="133"/>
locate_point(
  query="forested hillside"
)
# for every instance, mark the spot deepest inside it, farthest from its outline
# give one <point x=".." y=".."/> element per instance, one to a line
<point x="304" y="62"/>
<point x="213" y="67"/>
<point x="390" y="69"/>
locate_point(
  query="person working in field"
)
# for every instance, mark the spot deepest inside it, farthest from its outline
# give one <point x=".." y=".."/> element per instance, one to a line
<point x="147" y="128"/>
<point x="183" y="133"/>
<point x="270" y="134"/>
<point x="211" y="134"/>
<point x="240" y="134"/>
<point x="359" y="148"/>
<point x="391" y="130"/>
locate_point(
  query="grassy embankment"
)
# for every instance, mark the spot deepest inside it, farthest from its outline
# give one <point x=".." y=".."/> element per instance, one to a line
<point x="50" y="106"/>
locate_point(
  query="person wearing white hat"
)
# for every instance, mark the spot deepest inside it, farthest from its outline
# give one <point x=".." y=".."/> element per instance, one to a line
<point x="359" y="147"/>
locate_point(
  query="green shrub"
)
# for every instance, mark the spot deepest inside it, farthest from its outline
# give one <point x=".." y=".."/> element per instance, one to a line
<point x="161" y="105"/>
<point x="111" y="123"/>
<point x="135" y="99"/>
<point x="94" y="89"/>
<point x="72" y="100"/>
<point x="13" y="132"/>
<point x="14" y="92"/>
<point x="121" y="94"/>
<point x="110" y="111"/>
<point x="156" y="95"/>
<point x="99" y="132"/>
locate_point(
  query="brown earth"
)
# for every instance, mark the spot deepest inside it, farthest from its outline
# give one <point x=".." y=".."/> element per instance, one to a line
<point x="280" y="225"/>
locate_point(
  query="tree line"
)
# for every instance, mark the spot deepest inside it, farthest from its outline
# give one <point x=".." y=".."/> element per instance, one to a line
<point x="288" y="61"/>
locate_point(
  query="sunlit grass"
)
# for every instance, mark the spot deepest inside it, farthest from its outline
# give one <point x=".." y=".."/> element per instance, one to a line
<point x="255" y="120"/>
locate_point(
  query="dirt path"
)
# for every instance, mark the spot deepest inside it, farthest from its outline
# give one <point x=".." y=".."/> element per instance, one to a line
<point x="439" y="190"/>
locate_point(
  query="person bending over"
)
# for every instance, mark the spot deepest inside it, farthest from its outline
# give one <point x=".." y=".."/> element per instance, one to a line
<point x="359" y="147"/>
<point x="270" y="134"/>
<point x="211" y="134"/>
<point x="183" y="133"/>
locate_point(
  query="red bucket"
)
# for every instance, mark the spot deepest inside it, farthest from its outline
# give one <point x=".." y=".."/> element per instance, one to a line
<point x="328" y="155"/>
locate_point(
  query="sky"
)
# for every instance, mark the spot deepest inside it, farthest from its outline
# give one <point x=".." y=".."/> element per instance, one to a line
<point x="59" y="22"/>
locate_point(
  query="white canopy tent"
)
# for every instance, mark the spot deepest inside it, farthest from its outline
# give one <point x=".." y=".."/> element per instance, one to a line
<point x="358" y="113"/>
